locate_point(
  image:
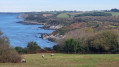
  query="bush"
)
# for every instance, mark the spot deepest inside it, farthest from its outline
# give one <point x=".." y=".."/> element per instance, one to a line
<point x="48" y="48"/>
<point x="21" y="50"/>
<point x="7" y="53"/>
<point x="56" y="48"/>
<point x="33" y="46"/>
<point x="105" y="41"/>
<point x="72" y="46"/>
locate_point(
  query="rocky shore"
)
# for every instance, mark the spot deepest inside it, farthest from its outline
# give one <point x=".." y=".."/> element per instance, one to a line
<point x="31" y="23"/>
<point x="53" y="27"/>
<point x="45" y="26"/>
<point x="50" y="36"/>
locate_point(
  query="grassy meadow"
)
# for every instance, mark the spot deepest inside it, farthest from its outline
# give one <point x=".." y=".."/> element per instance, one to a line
<point x="114" y="13"/>
<point x="63" y="15"/>
<point x="67" y="60"/>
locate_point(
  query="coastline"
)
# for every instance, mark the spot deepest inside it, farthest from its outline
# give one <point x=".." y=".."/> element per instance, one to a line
<point x="31" y="23"/>
<point x="20" y="34"/>
<point x="45" y="26"/>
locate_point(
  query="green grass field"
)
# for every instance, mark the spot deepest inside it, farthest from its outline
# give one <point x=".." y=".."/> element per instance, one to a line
<point x="68" y="60"/>
<point x="63" y="15"/>
<point x="112" y="26"/>
<point x="114" y="13"/>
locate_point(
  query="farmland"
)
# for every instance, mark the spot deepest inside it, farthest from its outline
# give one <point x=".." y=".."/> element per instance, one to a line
<point x="63" y="15"/>
<point x="114" y="13"/>
<point x="67" y="60"/>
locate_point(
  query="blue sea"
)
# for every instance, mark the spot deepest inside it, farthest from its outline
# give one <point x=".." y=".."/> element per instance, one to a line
<point x="20" y="34"/>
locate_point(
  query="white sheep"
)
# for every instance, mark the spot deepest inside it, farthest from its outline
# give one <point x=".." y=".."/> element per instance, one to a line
<point x="43" y="56"/>
<point x="23" y="60"/>
<point x="52" y="54"/>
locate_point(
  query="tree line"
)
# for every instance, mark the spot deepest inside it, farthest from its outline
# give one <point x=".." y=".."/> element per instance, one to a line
<point x="94" y="14"/>
<point x="102" y="42"/>
<point x="33" y="47"/>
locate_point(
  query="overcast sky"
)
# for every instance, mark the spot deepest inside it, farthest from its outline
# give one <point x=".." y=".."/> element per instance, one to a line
<point x="51" y="5"/>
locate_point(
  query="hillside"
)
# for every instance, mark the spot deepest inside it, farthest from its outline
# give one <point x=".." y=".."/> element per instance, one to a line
<point x="66" y="21"/>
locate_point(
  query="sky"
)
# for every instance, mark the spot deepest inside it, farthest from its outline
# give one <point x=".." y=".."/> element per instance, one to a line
<point x="58" y="5"/>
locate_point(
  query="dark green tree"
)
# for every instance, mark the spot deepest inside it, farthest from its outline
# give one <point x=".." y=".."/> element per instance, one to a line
<point x="33" y="46"/>
<point x="19" y="49"/>
<point x="114" y="10"/>
<point x="71" y="46"/>
<point x="48" y="48"/>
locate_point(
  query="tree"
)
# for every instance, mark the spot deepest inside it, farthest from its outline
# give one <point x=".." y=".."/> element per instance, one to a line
<point x="94" y="14"/>
<point x="48" y="48"/>
<point x="56" y="48"/>
<point x="71" y="46"/>
<point x="33" y="46"/>
<point x="19" y="49"/>
<point x="114" y="10"/>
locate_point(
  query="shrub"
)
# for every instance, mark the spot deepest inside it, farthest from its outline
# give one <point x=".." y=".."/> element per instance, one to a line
<point x="48" y="48"/>
<point x="33" y="46"/>
<point x="56" y="48"/>
<point x="72" y="46"/>
<point x="7" y="53"/>
<point x="105" y="41"/>
<point x="19" y="49"/>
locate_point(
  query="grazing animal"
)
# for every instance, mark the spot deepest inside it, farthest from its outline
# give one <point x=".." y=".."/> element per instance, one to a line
<point x="43" y="56"/>
<point x="23" y="60"/>
<point x="52" y="55"/>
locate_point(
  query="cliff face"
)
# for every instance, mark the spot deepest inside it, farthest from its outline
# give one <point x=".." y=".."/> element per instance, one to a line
<point x="50" y="36"/>
<point x="47" y="26"/>
<point x="35" y="19"/>
<point x="23" y="15"/>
